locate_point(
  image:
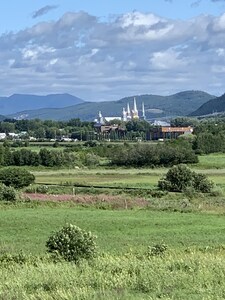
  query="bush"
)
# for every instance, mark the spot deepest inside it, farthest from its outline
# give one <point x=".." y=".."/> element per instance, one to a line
<point x="201" y="183"/>
<point x="157" y="250"/>
<point x="7" y="193"/>
<point x="180" y="178"/>
<point x="16" y="177"/>
<point x="72" y="244"/>
<point x="177" y="179"/>
<point x="91" y="160"/>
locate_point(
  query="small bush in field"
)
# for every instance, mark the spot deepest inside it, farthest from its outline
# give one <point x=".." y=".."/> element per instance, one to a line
<point x="72" y="244"/>
<point x="180" y="178"/>
<point x="157" y="250"/>
<point x="7" y="193"/>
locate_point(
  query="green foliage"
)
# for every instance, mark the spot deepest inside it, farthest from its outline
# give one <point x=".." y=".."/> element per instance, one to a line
<point x="187" y="275"/>
<point x="7" y="193"/>
<point x="91" y="160"/>
<point x="72" y="243"/>
<point x="201" y="183"/>
<point x="16" y="177"/>
<point x="43" y="189"/>
<point x="183" y="122"/>
<point x="157" y="250"/>
<point x="208" y="142"/>
<point x="153" y="155"/>
<point x="179" y="178"/>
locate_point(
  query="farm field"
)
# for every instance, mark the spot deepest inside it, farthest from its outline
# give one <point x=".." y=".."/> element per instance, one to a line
<point x="193" y="230"/>
<point x="193" y="266"/>
<point x="117" y="230"/>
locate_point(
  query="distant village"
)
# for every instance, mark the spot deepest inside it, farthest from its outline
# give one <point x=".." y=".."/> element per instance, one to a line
<point x="160" y="129"/>
<point x="103" y="128"/>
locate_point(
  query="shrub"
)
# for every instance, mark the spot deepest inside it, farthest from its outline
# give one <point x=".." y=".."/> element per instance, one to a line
<point x="180" y="178"/>
<point x="177" y="179"/>
<point x="91" y="160"/>
<point x="72" y="244"/>
<point x="201" y="183"/>
<point x="7" y="193"/>
<point x="43" y="189"/>
<point x="16" y="177"/>
<point x="157" y="250"/>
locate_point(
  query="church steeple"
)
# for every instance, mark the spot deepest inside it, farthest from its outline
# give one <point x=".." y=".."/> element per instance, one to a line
<point x="135" y="111"/>
<point x="143" y="111"/>
<point x="100" y="118"/>
<point x="128" y="112"/>
<point x="124" y="115"/>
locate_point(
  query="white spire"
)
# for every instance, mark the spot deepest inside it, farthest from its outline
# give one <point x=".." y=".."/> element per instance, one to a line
<point x="128" y="112"/>
<point x="128" y="109"/>
<point x="135" y="105"/>
<point x="124" y="116"/>
<point x="143" y="111"/>
<point x="100" y="118"/>
<point x="135" y="111"/>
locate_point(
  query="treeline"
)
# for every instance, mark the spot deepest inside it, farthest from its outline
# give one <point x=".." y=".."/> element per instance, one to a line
<point x="141" y="155"/>
<point x="49" y="129"/>
<point x="44" y="157"/>
<point x="74" y="129"/>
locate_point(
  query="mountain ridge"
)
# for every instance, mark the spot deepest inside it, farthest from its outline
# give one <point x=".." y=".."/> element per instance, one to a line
<point x="20" y="102"/>
<point x="216" y="105"/>
<point x="179" y="104"/>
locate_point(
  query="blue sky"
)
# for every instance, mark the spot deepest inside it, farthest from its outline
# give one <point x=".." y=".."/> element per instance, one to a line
<point x="105" y="50"/>
<point x="18" y="16"/>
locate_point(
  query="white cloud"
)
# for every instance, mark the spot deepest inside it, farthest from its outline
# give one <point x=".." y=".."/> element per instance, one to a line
<point x="168" y="60"/>
<point x="134" y="53"/>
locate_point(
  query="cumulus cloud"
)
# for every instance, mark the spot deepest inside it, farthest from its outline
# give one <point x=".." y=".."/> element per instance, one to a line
<point x="44" y="10"/>
<point x="134" y="53"/>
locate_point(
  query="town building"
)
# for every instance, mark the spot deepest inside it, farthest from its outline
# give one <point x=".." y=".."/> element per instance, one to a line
<point x="167" y="132"/>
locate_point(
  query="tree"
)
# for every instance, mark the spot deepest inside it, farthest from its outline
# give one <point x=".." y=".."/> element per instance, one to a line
<point x="16" y="177"/>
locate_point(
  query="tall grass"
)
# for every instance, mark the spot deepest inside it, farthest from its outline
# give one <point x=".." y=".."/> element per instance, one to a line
<point x="188" y="275"/>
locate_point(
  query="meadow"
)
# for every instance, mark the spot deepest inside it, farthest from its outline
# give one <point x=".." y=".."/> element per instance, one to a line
<point x="191" y="227"/>
<point x="213" y="165"/>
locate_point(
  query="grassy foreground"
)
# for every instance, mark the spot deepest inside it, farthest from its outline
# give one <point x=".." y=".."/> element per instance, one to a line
<point x="190" y="275"/>
<point x="193" y="266"/>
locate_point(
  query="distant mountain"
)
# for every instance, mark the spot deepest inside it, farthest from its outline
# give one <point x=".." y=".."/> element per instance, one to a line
<point x="216" y="105"/>
<point x="156" y="106"/>
<point x="19" y="102"/>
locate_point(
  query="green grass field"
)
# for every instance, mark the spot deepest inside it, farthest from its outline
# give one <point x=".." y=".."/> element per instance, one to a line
<point x="117" y="231"/>
<point x="192" y="268"/>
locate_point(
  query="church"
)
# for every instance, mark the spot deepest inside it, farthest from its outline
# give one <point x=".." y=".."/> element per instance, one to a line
<point x="127" y="115"/>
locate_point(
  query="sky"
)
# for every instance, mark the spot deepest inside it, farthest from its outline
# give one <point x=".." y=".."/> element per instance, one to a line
<point x="102" y="50"/>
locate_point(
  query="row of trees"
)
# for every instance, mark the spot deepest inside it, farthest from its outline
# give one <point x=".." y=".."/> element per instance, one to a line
<point x="45" y="157"/>
<point x="75" y="129"/>
<point x="154" y="155"/>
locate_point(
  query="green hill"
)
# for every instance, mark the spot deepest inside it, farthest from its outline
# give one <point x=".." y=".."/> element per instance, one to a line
<point x="216" y="105"/>
<point x="156" y="106"/>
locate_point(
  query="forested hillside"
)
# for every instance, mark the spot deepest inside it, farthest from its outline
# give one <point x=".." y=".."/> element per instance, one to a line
<point x="156" y="106"/>
<point x="216" y="105"/>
